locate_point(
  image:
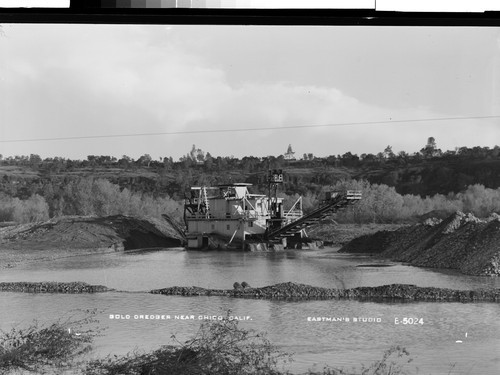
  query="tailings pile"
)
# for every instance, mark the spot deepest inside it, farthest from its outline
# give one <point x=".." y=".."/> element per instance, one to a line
<point x="116" y="232"/>
<point x="51" y="287"/>
<point x="461" y="241"/>
<point x="301" y="292"/>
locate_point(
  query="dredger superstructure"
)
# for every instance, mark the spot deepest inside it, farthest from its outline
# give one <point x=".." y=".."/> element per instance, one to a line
<point x="233" y="215"/>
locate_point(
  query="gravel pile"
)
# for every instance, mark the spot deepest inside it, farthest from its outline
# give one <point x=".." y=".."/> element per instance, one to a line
<point x="51" y="287"/>
<point x="461" y="241"/>
<point x="415" y="293"/>
<point x="294" y="291"/>
<point x="118" y="232"/>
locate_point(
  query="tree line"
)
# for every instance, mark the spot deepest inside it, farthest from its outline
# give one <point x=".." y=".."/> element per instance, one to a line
<point x="380" y="203"/>
<point x="200" y="159"/>
<point x="383" y="204"/>
<point x="85" y="197"/>
<point x="396" y="187"/>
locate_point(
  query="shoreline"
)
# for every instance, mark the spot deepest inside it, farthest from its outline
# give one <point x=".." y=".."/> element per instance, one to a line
<point x="12" y="258"/>
<point x="41" y="242"/>
<point x="30" y="257"/>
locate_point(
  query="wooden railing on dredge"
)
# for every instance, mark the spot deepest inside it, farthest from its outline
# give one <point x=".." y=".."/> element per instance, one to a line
<point x="334" y="201"/>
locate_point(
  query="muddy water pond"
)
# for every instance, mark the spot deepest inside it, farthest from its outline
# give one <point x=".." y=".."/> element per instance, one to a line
<point x="441" y="337"/>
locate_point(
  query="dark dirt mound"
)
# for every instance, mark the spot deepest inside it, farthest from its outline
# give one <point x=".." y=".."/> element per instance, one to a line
<point x="461" y="241"/>
<point x="72" y="235"/>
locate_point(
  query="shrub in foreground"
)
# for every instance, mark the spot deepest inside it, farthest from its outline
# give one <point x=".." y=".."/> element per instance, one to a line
<point x="219" y="348"/>
<point x="393" y="362"/>
<point x="46" y="348"/>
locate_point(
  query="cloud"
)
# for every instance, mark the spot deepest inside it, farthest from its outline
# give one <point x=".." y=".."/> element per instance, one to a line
<point x="79" y="80"/>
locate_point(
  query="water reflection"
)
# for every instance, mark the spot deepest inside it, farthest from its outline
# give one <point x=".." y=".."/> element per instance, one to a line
<point x="151" y="269"/>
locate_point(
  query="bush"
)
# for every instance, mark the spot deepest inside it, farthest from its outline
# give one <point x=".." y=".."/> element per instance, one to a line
<point x="33" y="209"/>
<point x="6" y="208"/>
<point x="46" y="348"/>
<point x="393" y="362"/>
<point x="480" y="201"/>
<point x="219" y="348"/>
<point x="100" y="197"/>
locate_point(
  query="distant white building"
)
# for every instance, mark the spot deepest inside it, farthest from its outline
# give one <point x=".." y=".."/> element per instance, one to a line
<point x="289" y="155"/>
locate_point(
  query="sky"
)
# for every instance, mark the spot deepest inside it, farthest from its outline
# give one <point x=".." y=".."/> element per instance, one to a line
<point x="77" y="90"/>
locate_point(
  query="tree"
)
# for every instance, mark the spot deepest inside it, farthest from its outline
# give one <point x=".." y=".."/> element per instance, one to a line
<point x="403" y="157"/>
<point x="35" y="160"/>
<point x="388" y="154"/>
<point x="92" y="159"/>
<point x="145" y="160"/>
<point x="480" y="201"/>
<point x="186" y="161"/>
<point x="78" y="198"/>
<point x="200" y="157"/>
<point x="105" y="198"/>
<point x="125" y="161"/>
<point x="209" y="161"/>
<point x="349" y="160"/>
<point x="369" y="158"/>
<point x="31" y="210"/>
<point x="494" y="152"/>
<point x="196" y="154"/>
<point x="168" y="163"/>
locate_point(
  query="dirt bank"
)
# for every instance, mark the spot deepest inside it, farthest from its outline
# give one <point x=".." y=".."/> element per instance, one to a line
<point x="68" y="236"/>
<point x="294" y="291"/>
<point x="461" y="241"/>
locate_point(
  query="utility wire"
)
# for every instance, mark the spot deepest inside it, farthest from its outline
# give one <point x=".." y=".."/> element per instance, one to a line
<point x="252" y="129"/>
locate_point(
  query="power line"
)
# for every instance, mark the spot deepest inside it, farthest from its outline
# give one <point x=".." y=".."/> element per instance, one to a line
<point x="252" y="129"/>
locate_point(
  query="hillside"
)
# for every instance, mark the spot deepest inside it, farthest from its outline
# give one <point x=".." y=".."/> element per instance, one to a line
<point x="408" y="175"/>
<point x="461" y="241"/>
